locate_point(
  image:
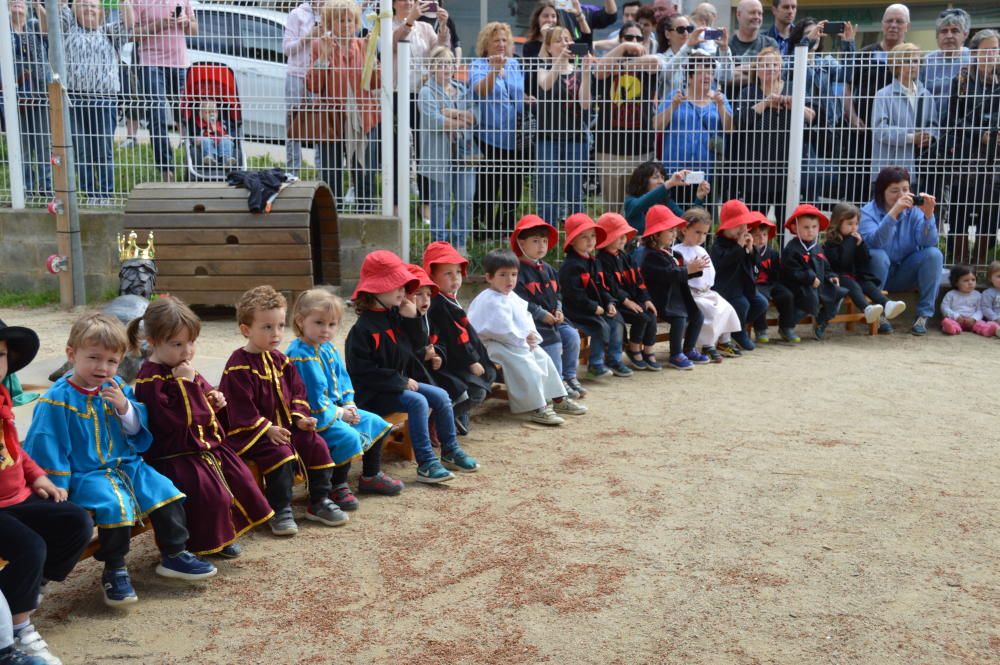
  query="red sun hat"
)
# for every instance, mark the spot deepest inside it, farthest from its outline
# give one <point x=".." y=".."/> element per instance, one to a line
<point x="734" y="213"/>
<point x="807" y="210"/>
<point x="532" y="222"/>
<point x="423" y="279"/>
<point x="760" y="219"/>
<point x="615" y="226"/>
<point x="440" y="251"/>
<point x="576" y="224"/>
<point x="661" y="218"/>
<point x="383" y="271"/>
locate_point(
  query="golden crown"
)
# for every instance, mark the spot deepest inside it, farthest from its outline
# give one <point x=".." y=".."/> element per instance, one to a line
<point x="129" y="249"/>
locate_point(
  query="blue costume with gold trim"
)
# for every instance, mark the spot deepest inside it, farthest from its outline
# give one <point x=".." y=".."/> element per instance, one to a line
<point x="330" y="389"/>
<point x="78" y="439"/>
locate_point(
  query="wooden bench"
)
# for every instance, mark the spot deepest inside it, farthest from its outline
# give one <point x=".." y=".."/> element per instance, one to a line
<point x="849" y="318"/>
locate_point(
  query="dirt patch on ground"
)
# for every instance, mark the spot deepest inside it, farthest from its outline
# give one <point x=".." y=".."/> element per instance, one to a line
<point x="833" y="502"/>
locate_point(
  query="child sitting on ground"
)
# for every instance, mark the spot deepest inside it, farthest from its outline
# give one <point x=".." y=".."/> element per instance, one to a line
<point x="666" y="277"/>
<point x="849" y="258"/>
<point x="505" y="325"/>
<point x="538" y="285"/>
<point x="991" y="296"/>
<point x="217" y="146"/>
<point x="269" y="415"/>
<point x="769" y="284"/>
<point x="87" y="433"/>
<point x="720" y="319"/>
<point x="587" y="302"/>
<point x="625" y="283"/>
<point x="465" y="356"/>
<point x="961" y="308"/>
<point x="223" y="500"/>
<point x="735" y="264"/>
<point x="381" y="361"/>
<point x="41" y="533"/>
<point x="348" y="431"/>
<point x="806" y="272"/>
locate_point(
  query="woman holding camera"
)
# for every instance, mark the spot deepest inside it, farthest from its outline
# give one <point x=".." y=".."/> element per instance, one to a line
<point x="901" y="232"/>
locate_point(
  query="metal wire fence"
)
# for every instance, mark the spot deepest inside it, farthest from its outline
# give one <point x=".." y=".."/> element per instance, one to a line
<point x="154" y="99"/>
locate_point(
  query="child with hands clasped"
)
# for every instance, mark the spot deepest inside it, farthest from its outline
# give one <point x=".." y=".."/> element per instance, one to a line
<point x="381" y="360"/>
<point x="505" y="325"/>
<point x="735" y="264"/>
<point x="538" y="285"/>
<point x="991" y="296"/>
<point x="625" y="283"/>
<point x="270" y="420"/>
<point x="806" y="271"/>
<point x="41" y="533"/>
<point x="88" y="432"/>
<point x="223" y="500"/>
<point x="666" y="277"/>
<point x="768" y="281"/>
<point x="348" y="431"/>
<point x="962" y="307"/>
<point x="588" y="303"/>
<point x="720" y="319"/>
<point x="848" y="255"/>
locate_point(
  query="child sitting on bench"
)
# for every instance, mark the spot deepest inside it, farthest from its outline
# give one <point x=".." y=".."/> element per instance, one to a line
<point x="806" y="272"/>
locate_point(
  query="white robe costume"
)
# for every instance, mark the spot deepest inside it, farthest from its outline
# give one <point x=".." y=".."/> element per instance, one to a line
<point x="721" y="320"/>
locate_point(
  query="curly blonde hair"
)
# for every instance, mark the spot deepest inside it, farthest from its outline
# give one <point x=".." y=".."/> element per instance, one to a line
<point x="489" y="33"/>
<point x="258" y="299"/>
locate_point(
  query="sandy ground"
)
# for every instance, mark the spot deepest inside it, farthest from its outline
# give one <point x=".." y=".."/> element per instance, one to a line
<point x="834" y="502"/>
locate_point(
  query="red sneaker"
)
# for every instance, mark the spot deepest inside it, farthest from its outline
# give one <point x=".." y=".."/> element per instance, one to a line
<point x="380" y="484"/>
<point x="342" y="496"/>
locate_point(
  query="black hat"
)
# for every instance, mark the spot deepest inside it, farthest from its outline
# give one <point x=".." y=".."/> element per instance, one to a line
<point x="22" y="346"/>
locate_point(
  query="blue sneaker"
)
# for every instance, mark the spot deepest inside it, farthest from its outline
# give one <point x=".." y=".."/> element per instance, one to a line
<point x="459" y="460"/>
<point x="697" y="357"/>
<point x="919" y="327"/>
<point x="432" y="473"/>
<point x="744" y="341"/>
<point x="185" y="566"/>
<point x="118" y="587"/>
<point x="680" y="361"/>
<point x="597" y="372"/>
<point x="651" y="363"/>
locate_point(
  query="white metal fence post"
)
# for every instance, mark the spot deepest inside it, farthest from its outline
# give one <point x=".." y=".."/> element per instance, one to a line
<point x="793" y="186"/>
<point x="403" y="147"/>
<point x="14" y="156"/>
<point x="386" y="63"/>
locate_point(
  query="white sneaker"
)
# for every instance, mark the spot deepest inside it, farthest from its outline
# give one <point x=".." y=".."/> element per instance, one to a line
<point x="873" y="313"/>
<point x="545" y="416"/>
<point x="894" y="308"/>
<point x="569" y="407"/>
<point x="128" y="143"/>
<point x="31" y="643"/>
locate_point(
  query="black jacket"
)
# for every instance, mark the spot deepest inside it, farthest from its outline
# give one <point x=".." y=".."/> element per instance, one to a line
<point x="800" y="267"/>
<point x="666" y="279"/>
<point x="584" y="289"/>
<point x="623" y="277"/>
<point x="380" y="356"/>
<point x="850" y="257"/>
<point x="538" y="284"/>
<point x="461" y="343"/>
<point x="735" y="268"/>
<point x="768" y="266"/>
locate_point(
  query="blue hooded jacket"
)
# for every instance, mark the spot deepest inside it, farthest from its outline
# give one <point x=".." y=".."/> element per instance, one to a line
<point x="901" y="237"/>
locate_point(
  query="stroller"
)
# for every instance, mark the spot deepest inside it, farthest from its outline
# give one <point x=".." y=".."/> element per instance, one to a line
<point x="211" y="84"/>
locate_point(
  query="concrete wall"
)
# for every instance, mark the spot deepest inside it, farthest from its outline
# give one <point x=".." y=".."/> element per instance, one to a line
<point x="28" y="237"/>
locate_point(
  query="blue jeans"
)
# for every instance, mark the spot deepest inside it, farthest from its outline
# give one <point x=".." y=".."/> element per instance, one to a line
<point x="94" y="121"/>
<point x="921" y="269"/>
<point x="565" y="353"/>
<point x="460" y="184"/>
<point x="221" y="151"/>
<point x="559" y="184"/>
<point x="34" y="118"/>
<point x="331" y="159"/>
<point x="159" y="87"/>
<point x="748" y="310"/>
<point x="420" y="405"/>
<point x="605" y="341"/>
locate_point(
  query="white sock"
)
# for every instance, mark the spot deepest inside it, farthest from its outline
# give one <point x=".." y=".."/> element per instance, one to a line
<point x="21" y="626"/>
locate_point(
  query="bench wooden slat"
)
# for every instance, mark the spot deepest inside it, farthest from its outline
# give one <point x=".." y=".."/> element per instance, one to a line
<point x="239" y="252"/>
<point x="236" y="237"/>
<point x="234" y="220"/>
<point x="171" y="283"/>
<point x="171" y="268"/>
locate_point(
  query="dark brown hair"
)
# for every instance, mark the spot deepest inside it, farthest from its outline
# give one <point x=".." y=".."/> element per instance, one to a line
<point x="841" y="211"/>
<point x="164" y="318"/>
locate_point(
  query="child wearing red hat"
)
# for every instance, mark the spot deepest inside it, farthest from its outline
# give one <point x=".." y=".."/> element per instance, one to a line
<point x="382" y="362"/>
<point x="806" y="272"/>
<point x="736" y="267"/>
<point x="769" y="284"/>
<point x="465" y="357"/>
<point x="720" y="317"/>
<point x="625" y="283"/>
<point x="666" y="276"/>
<point x="41" y="533"/>
<point x="506" y="327"/>
<point x="538" y="284"/>
<point x="587" y="301"/>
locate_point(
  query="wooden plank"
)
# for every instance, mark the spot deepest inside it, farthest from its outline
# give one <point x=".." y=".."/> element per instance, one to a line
<point x="227" y="298"/>
<point x="165" y="190"/>
<point x="168" y="268"/>
<point x="234" y="220"/>
<point x="170" y="283"/>
<point x="241" y="252"/>
<point x="245" y="237"/>
<point x="190" y="204"/>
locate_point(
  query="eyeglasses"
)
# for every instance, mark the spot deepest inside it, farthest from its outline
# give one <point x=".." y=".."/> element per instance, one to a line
<point x="683" y="29"/>
<point x="631" y="38"/>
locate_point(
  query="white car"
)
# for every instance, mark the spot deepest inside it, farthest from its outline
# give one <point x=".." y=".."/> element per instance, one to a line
<point x="247" y="40"/>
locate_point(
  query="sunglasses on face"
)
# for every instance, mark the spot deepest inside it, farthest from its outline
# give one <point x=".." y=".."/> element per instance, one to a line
<point x="631" y="38"/>
<point x="683" y="29"/>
